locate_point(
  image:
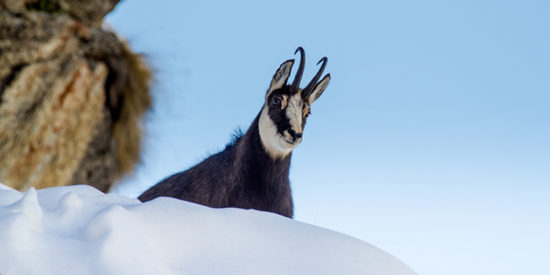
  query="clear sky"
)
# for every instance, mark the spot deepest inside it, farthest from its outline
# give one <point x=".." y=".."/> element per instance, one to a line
<point x="432" y="140"/>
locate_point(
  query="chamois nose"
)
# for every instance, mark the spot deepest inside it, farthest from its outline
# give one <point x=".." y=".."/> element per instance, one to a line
<point x="294" y="134"/>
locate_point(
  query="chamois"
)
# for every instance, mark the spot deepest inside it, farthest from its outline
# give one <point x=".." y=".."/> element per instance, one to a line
<point x="252" y="171"/>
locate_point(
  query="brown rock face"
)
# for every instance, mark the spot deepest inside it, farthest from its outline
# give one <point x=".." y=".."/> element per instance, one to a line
<point x="71" y="96"/>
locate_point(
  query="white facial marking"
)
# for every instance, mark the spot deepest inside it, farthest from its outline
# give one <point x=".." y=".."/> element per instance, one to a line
<point x="284" y="102"/>
<point x="272" y="141"/>
<point x="294" y="112"/>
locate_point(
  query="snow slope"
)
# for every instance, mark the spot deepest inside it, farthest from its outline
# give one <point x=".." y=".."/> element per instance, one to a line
<point x="79" y="230"/>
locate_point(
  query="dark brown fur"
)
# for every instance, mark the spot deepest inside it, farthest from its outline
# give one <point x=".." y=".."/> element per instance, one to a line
<point x="242" y="176"/>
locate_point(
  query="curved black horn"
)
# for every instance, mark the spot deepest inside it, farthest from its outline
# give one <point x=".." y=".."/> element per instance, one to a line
<point x="309" y="88"/>
<point x="298" y="77"/>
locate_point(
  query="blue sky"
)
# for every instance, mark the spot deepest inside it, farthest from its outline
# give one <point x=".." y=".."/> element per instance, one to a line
<point x="432" y="140"/>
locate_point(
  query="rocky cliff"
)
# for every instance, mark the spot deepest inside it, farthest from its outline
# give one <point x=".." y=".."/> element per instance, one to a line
<point x="72" y="95"/>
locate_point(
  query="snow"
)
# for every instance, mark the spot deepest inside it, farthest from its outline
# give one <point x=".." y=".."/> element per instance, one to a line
<point x="80" y="230"/>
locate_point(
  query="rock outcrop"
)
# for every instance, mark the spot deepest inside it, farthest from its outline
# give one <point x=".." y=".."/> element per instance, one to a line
<point x="72" y="95"/>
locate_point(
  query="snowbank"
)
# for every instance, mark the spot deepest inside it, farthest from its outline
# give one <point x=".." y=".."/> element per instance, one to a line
<point x="79" y="230"/>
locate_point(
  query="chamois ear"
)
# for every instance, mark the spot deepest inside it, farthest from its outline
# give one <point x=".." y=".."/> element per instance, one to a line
<point x="280" y="77"/>
<point x="319" y="89"/>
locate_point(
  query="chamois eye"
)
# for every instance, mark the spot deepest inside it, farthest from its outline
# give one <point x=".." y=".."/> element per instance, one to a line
<point x="276" y="101"/>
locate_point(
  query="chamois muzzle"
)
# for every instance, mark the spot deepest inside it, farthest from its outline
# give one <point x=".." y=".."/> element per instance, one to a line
<point x="295" y="136"/>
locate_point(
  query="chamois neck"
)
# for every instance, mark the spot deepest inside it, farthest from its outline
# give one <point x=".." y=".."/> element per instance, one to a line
<point x="258" y="153"/>
<point x="263" y="180"/>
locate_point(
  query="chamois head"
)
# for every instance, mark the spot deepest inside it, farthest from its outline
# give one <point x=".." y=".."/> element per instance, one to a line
<point x="287" y="107"/>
